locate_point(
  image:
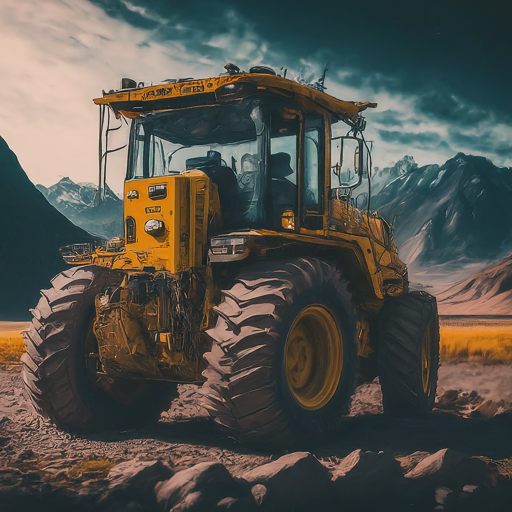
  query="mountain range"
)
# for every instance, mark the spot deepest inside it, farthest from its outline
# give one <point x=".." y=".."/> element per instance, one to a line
<point x="382" y="176"/>
<point x="76" y="202"/>
<point x="32" y="231"/>
<point x="450" y="218"/>
<point x="451" y="221"/>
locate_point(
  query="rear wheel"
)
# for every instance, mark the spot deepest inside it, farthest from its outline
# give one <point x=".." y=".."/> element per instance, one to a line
<point x="283" y="363"/>
<point x="58" y="379"/>
<point x="408" y="354"/>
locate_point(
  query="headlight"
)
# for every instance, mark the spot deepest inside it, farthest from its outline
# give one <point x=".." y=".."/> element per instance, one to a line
<point x="154" y="227"/>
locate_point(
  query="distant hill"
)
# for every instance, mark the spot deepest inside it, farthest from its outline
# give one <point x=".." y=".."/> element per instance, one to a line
<point x="450" y="216"/>
<point x="488" y="292"/>
<point x="76" y="202"/>
<point x="31" y="233"/>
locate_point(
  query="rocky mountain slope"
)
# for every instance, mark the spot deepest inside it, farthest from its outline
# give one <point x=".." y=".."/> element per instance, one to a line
<point x="450" y="216"/>
<point x="382" y="176"/>
<point x="32" y="231"/>
<point x="76" y="202"/>
<point x="488" y="292"/>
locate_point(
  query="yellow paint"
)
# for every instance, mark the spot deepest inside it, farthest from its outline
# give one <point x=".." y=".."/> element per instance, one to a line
<point x="272" y="84"/>
<point x="376" y="249"/>
<point x="184" y="212"/>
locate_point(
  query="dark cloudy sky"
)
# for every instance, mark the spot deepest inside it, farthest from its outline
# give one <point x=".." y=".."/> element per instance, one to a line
<point x="440" y="71"/>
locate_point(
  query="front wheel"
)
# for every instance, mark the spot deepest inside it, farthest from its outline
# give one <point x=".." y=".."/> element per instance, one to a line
<point x="283" y="364"/>
<point x="408" y="354"/>
<point x="60" y="343"/>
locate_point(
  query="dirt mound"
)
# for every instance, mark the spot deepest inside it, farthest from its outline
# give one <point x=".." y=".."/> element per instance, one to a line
<point x="32" y="232"/>
<point x="488" y="292"/>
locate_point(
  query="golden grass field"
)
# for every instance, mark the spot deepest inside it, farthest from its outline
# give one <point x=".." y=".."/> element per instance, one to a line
<point x="488" y="339"/>
<point x="12" y="345"/>
<point x="484" y="338"/>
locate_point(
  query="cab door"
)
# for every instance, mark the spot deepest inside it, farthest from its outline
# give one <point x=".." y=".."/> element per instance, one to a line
<point x="313" y="175"/>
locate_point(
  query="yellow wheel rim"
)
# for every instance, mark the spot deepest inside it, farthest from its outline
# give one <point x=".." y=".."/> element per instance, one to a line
<point x="313" y="357"/>
<point x="426" y="360"/>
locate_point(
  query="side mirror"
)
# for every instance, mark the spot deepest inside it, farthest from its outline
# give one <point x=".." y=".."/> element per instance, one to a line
<point x="361" y="201"/>
<point x="347" y="169"/>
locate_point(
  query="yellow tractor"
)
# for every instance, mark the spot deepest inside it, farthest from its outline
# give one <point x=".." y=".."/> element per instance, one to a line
<point x="252" y="264"/>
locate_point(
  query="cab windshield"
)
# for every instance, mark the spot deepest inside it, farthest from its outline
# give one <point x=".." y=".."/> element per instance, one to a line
<point x="224" y="141"/>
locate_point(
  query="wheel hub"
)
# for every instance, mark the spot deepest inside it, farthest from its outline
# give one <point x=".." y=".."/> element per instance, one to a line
<point x="313" y="357"/>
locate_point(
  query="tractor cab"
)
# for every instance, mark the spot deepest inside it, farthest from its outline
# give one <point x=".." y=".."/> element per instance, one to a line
<point x="276" y="156"/>
<point x="264" y="155"/>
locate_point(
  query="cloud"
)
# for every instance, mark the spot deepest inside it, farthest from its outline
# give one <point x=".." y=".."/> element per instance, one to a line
<point x="389" y="118"/>
<point x="421" y="139"/>
<point x="143" y="12"/>
<point x="401" y="46"/>
<point x="62" y="53"/>
<point x="444" y="106"/>
<point x="486" y="142"/>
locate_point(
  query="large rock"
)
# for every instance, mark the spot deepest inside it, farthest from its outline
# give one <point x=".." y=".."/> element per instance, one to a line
<point x="298" y="480"/>
<point x="454" y="470"/>
<point x="259" y="493"/>
<point x="131" y="485"/>
<point x="200" y="487"/>
<point x="138" y="476"/>
<point x="364" y="478"/>
<point x="487" y="409"/>
<point x="409" y="462"/>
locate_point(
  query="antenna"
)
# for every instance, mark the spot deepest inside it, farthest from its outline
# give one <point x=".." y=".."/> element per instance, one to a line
<point x="319" y="84"/>
<point x="321" y="81"/>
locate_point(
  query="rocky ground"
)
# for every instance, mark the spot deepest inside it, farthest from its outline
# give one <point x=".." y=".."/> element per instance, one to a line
<point x="456" y="459"/>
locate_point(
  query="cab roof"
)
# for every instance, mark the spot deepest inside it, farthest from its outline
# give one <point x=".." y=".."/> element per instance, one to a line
<point x="209" y="91"/>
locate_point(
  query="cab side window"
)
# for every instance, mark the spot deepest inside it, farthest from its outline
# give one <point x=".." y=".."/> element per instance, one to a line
<point x="313" y="163"/>
<point x="282" y="165"/>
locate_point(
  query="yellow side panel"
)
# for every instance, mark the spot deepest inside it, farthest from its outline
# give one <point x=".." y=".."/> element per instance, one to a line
<point x="184" y="212"/>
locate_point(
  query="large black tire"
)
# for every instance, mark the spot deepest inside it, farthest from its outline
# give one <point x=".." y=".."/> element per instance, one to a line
<point x="54" y="364"/>
<point x="403" y="323"/>
<point x="246" y="392"/>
